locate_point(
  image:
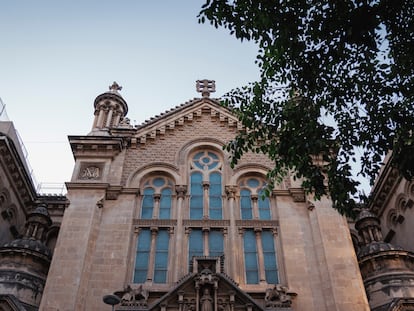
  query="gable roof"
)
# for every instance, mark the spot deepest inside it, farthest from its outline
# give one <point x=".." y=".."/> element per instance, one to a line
<point x="224" y="281"/>
<point x="182" y="114"/>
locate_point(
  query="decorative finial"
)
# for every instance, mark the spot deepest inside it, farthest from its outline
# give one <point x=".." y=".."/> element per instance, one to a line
<point x="205" y="87"/>
<point x="115" y="87"/>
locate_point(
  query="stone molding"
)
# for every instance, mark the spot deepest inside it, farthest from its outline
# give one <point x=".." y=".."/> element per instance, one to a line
<point x="13" y="166"/>
<point x="92" y="146"/>
<point x="256" y="223"/>
<point x="184" y="114"/>
<point x="206" y="223"/>
<point x="155" y="222"/>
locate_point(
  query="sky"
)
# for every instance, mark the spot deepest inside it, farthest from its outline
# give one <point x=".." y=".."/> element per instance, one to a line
<point x="57" y="56"/>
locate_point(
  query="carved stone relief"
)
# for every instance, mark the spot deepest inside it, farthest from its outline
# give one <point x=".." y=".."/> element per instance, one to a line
<point x="90" y="171"/>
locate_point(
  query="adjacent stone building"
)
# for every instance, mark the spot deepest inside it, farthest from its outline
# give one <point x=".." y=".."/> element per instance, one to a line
<point x="156" y="219"/>
<point x="28" y="230"/>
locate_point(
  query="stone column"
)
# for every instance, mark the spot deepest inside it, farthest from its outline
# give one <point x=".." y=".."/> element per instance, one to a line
<point x="260" y="257"/>
<point x="231" y="254"/>
<point x="109" y="116"/>
<point x="255" y="208"/>
<point x="99" y="124"/>
<point x="151" y="261"/>
<point x="179" y="250"/>
<point x="205" y="241"/>
<point x="156" y="209"/>
<point x="206" y="186"/>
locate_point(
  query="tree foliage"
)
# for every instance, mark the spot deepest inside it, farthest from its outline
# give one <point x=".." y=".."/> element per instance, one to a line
<point x="336" y="85"/>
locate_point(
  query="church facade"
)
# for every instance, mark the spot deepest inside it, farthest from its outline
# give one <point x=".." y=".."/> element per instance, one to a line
<point x="155" y="218"/>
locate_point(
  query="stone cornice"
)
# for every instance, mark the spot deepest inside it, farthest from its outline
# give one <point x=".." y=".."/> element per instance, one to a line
<point x="256" y="223"/>
<point x="181" y="115"/>
<point x="56" y="204"/>
<point x="86" y="185"/>
<point x="206" y="223"/>
<point x="384" y="188"/>
<point x="16" y="172"/>
<point x="155" y="222"/>
<point x="102" y="146"/>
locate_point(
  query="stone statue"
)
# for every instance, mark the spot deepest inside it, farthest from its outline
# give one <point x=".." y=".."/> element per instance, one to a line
<point x="278" y="295"/>
<point x="132" y="296"/>
<point x="206" y="301"/>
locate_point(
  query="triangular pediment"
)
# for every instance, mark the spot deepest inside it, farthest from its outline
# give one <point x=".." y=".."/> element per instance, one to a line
<point x="184" y="114"/>
<point x="200" y="292"/>
<point x="218" y="288"/>
<point x="206" y="288"/>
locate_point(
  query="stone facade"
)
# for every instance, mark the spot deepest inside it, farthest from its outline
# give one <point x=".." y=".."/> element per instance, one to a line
<point x="96" y="249"/>
<point x="156" y="219"/>
<point x="27" y="233"/>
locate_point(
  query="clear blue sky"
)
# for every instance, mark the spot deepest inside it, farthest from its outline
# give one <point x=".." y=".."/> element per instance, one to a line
<point x="57" y="56"/>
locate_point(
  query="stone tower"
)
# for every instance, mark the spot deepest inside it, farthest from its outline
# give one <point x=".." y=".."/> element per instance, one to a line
<point x="110" y="110"/>
<point x="387" y="270"/>
<point x="24" y="262"/>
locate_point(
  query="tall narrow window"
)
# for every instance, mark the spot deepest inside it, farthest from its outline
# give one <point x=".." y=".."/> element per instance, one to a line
<point x="196" y="200"/>
<point x="147" y="203"/>
<point x="165" y="203"/>
<point x="246" y="204"/>
<point x="197" y="246"/>
<point x="215" y="243"/>
<point x="143" y="267"/>
<point x="196" y="243"/>
<point x="206" y="186"/>
<point x="215" y="197"/>
<point x="250" y="257"/>
<point x="161" y="257"/>
<point x="142" y="257"/>
<point x="269" y="256"/>
<point x="264" y="206"/>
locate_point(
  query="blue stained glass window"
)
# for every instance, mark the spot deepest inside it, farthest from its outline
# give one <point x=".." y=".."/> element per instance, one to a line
<point x="215" y="198"/>
<point x="161" y="257"/>
<point x="213" y="155"/>
<point x="264" y="206"/>
<point x="142" y="257"/>
<point x="198" y="155"/>
<point x="196" y="199"/>
<point x="246" y="204"/>
<point x="250" y="257"/>
<point x="253" y="182"/>
<point x="269" y="255"/>
<point x="165" y="203"/>
<point x="158" y="182"/>
<point x="215" y="243"/>
<point x="195" y="243"/>
<point x="147" y="203"/>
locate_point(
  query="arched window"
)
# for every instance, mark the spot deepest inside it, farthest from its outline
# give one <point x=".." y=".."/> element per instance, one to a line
<point x="196" y="200"/>
<point x="206" y="186"/>
<point x="253" y="203"/>
<point x="147" y="203"/>
<point x="156" y="201"/>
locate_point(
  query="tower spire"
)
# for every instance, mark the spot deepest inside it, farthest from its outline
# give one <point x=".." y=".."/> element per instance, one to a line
<point x="110" y="110"/>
